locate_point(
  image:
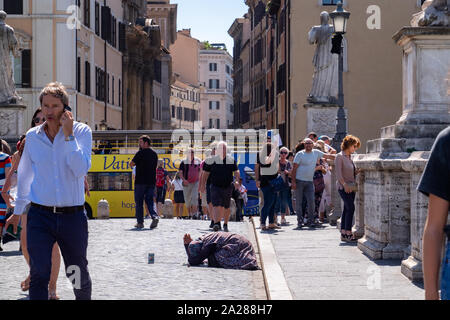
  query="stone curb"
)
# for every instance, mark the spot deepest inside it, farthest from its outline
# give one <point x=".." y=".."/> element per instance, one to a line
<point x="274" y="280"/>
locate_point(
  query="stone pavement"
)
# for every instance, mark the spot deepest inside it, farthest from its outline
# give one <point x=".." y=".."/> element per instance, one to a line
<point x="117" y="256"/>
<point x="316" y="265"/>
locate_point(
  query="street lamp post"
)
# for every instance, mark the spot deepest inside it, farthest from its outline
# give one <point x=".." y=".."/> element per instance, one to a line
<point x="340" y="18"/>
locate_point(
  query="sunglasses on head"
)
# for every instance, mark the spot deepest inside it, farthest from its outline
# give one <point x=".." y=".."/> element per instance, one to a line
<point x="37" y="120"/>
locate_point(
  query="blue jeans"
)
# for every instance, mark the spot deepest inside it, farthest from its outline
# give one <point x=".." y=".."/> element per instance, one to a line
<point x="269" y="204"/>
<point x="349" y="209"/>
<point x="445" y="279"/>
<point x="144" y="192"/>
<point x="70" y="231"/>
<point x="282" y="201"/>
<point x="304" y="189"/>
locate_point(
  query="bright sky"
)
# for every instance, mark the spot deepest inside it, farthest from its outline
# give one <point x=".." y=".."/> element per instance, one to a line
<point x="209" y="20"/>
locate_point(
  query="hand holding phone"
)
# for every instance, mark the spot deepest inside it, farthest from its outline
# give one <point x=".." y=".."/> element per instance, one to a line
<point x="67" y="121"/>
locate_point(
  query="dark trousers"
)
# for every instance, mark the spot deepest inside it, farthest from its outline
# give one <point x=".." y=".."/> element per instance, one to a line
<point x="239" y="207"/>
<point x="70" y="231"/>
<point x="268" y="209"/>
<point x="144" y="192"/>
<point x="349" y="209"/>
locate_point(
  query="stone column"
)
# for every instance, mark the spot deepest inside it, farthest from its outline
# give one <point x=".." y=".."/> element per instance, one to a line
<point x="358" y="228"/>
<point x="336" y="212"/>
<point x="394" y="213"/>
<point x="412" y="265"/>
<point x="11" y="122"/>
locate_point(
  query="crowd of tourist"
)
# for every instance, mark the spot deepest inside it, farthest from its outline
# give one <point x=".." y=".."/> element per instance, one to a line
<point x="301" y="179"/>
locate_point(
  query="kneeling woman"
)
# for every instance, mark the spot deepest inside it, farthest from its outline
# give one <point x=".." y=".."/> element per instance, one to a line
<point x="222" y="249"/>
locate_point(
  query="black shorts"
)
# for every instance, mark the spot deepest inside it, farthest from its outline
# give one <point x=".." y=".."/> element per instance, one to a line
<point x="178" y="196"/>
<point x="221" y="197"/>
<point x="208" y="193"/>
<point x="160" y="194"/>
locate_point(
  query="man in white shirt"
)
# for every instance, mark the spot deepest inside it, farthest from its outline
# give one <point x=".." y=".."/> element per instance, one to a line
<point x="305" y="164"/>
<point x="56" y="158"/>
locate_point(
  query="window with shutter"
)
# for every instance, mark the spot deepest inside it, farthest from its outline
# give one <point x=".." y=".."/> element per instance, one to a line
<point x="78" y="74"/>
<point x="26" y="68"/>
<point x="13" y="6"/>
<point x="120" y="92"/>
<point x="87" y="78"/>
<point x="87" y="13"/>
<point x="106" y="24"/>
<point x="97" y="19"/>
<point x="112" y="86"/>
<point x="122" y="43"/>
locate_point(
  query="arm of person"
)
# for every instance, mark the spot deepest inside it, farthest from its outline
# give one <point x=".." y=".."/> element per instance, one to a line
<point x="78" y="152"/>
<point x="200" y="179"/>
<point x="329" y="156"/>
<point x="293" y="176"/>
<point x="338" y="169"/>
<point x="25" y="176"/>
<point x="433" y="239"/>
<point x="435" y="183"/>
<point x="205" y="176"/>
<point x="6" y="196"/>
<point x="257" y="181"/>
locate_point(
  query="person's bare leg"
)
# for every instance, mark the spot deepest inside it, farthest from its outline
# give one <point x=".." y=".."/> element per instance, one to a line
<point x="205" y="212"/>
<point x="56" y="264"/>
<point x="226" y="215"/>
<point x="211" y="212"/>
<point x="217" y="216"/>
<point x="180" y="210"/>
<point x="25" y="285"/>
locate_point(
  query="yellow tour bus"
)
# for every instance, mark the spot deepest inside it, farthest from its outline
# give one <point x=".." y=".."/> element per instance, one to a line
<point x="110" y="178"/>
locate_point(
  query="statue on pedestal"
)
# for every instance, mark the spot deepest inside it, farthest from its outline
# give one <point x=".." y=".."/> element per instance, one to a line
<point x="8" y="44"/>
<point x="435" y="13"/>
<point x="326" y="64"/>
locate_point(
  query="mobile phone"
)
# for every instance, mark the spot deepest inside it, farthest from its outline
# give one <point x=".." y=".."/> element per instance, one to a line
<point x="67" y="108"/>
<point x="269" y="134"/>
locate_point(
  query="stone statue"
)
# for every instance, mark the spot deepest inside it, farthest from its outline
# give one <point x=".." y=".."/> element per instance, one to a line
<point x="435" y="13"/>
<point x="326" y="64"/>
<point x="8" y="44"/>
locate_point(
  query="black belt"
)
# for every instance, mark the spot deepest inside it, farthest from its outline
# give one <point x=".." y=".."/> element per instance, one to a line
<point x="61" y="210"/>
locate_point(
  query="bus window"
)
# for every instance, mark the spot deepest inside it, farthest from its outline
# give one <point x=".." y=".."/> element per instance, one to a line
<point x="110" y="181"/>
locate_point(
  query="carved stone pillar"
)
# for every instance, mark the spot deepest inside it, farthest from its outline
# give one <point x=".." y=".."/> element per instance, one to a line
<point x="11" y="121"/>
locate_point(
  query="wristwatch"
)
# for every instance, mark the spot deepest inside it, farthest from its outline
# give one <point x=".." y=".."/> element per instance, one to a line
<point x="70" y="138"/>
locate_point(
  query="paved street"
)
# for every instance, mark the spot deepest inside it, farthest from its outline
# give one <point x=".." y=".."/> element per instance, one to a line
<point x="117" y="256"/>
<point x="305" y="264"/>
<point x="317" y="265"/>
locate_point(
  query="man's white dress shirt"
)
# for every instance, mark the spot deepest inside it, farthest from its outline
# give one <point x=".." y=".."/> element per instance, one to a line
<point x="52" y="174"/>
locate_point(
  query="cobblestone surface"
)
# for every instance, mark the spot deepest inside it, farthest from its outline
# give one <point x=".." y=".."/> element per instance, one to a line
<point x="118" y="254"/>
<point x="317" y="265"/>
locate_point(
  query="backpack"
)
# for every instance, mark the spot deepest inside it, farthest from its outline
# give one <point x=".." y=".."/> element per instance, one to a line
<point x="160" y="177"/>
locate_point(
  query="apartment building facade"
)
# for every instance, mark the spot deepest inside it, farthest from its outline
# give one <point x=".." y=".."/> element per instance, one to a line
<point x="164" y="14"/>
<point x="240" y="32"/>
<point x="281" y="63"/>
<point x="215" y="72"/>
<point x="75" y="42"/>
<point x="186" y="90"/>
<point x="185" y="105"/>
